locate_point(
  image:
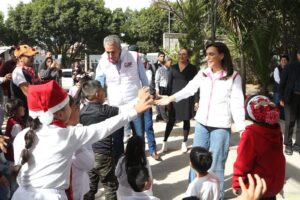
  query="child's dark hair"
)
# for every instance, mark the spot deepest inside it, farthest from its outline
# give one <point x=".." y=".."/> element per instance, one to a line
<point x="201" y="159"/>
<point x="161" y="53"/>
<point x="87" y="90"/>
<point x="137" y="176"/>
<point x="135" y="153"/>
<point x="30" y="136"/>
<point x="12" y="106"/>
<point x="284" y="56"/>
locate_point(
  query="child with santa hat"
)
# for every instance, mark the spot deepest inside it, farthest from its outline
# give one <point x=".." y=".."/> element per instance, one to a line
<point x="44" y="150"/>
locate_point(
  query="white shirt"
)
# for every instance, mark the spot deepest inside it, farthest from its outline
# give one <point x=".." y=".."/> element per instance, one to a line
<point x="53" y="149"/>
<point x="205" y="188"/>
<point x="83" y="161"/>
<point x="18" y="76"/>
<point x="124" y="188"/>
<point x="276" y="75"/>
<point x="149" y="75"/>
<point x="220" y="100"/>
<point x="139" y="196"/>
<point x="124" y="79"/>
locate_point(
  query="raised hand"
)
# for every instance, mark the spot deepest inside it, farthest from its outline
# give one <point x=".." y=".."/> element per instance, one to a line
<point x="145" y="100"/>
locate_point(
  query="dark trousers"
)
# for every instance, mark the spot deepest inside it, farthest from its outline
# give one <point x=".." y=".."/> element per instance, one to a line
<point x="292" y="115"/>
<point x="118" y="144"/>
<point x="171" y="123"/>
<point x="103" y="171"/>
<point x="163" y="109"/>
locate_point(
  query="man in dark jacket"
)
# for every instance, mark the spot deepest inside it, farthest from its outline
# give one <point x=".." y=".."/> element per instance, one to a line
<point x="289" y="95"/>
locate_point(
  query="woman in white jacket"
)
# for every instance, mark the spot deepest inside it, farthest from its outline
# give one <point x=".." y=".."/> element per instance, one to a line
<point x="221" y="100"/>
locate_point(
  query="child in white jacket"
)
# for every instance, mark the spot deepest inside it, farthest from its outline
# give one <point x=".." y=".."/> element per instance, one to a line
<point x="45" y="156"/>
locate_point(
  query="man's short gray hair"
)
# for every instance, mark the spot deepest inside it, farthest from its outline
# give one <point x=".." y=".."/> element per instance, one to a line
<point x="112" y="39"/>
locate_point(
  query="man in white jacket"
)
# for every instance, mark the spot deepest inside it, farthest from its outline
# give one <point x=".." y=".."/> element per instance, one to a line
<point x="122" y="74"/>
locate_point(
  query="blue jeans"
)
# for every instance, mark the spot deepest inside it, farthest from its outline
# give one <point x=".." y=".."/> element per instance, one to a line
<point x="217" y="141"/>
<point x="143" y="123"/>
<point x="148" y="127"/>
<point x="4" y="168"/>
<point x="118" y="136"/>
<point x="277" y="102"/>
<point x="276" y="98"/>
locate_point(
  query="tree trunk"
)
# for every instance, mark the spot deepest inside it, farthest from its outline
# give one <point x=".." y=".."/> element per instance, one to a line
<point x="242" y="60"/>
<point x="213" y="19"/>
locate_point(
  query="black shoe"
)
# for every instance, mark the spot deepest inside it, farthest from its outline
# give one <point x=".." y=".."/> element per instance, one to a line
<point x="288" y="150"/>
<point x="158" y="118"/>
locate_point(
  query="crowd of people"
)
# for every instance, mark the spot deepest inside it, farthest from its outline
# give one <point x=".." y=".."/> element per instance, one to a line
<point x="60" y="145"/>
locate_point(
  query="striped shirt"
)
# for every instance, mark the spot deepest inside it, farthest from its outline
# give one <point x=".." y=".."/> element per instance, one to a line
<point x="161" y="77"/>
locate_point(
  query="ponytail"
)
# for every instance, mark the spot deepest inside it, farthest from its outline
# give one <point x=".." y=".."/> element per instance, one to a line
<point x="30" y="138"/>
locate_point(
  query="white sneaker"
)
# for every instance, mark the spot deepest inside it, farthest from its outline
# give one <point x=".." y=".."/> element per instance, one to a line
<point x="164" y="147"/>
<point x="184" y="148"/>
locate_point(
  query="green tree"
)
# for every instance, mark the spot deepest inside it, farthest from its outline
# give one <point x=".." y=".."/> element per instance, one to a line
<point x="260" y="50"/>
<point x="66" y="27"/>
<point x="2" y="27"/>
<point x="280" y="33"/>
<point x="145" y="28"/>
<point x="191" y="18"/>
<point x="237" y="19"/>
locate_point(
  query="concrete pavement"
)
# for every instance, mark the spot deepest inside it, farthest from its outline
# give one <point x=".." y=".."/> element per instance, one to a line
<point x="171" y="174"/>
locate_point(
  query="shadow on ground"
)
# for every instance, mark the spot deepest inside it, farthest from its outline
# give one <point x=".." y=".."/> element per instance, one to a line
<point x="174" y="189"/>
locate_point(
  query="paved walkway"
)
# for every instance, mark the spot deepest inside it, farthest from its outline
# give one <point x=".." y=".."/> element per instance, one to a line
<point x="170" y="175"/>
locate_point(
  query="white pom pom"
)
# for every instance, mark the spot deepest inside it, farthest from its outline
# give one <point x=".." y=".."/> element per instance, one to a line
<point x="46" y="118"/>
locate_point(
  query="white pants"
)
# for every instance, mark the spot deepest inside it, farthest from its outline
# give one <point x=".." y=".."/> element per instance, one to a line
<point x="39" y="194"/>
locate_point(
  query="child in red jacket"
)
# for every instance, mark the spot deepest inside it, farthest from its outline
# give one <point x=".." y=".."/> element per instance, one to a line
<point x="260" y="150"/>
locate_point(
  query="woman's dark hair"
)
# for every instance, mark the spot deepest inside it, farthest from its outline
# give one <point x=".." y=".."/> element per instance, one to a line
<point x="30" y="137"/>
<point x="201" y="159"/>
<point x="135" y="153"/>
<point x="87" y="90"/>
<point x="44" y="64"/>
<point x="12" y="106"/>
<point x="226" y="62"/>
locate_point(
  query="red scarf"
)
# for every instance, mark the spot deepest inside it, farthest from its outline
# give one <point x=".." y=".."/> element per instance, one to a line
<point x="69" y="191"/>
<point x="30" y="71"/>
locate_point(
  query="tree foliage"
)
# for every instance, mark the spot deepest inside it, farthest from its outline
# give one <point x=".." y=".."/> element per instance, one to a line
<point x="145" y="28"/>
<point x="73" y="27"/>
<point x="268" y="28"/>
<point x="65" y="27"/>
<point x="190" y="17"/>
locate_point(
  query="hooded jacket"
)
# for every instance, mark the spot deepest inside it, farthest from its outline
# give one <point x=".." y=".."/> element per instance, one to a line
<point x="260" y="151"/>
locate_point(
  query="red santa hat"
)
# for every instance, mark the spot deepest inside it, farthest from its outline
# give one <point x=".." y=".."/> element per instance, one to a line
<point x="46" y="99"/>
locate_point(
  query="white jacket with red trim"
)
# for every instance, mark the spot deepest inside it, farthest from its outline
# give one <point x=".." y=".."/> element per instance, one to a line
<point x="220" y="100"/>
